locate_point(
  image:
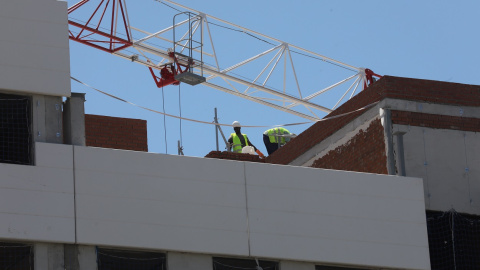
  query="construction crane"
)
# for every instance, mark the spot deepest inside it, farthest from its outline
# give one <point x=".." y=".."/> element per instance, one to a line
<point x="185" y="52"/>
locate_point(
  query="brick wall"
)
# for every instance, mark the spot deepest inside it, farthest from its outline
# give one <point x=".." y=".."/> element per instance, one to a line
<point x="116" y="132"/>
<point x="323" y="129"/>
<point x="365" y="152"/>
<point x="436" y="121"/>
<point x="234" y="156"/>
<point x="386" y="87"/>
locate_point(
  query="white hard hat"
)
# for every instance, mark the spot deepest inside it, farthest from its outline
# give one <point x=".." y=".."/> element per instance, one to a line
<point x="236" y="124"/>
<point x="248" y="150"/>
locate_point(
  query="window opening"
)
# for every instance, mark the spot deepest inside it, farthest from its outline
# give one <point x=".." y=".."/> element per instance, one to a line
<point x="453" y="240"/>
<point x="127" y="260"/>
<point x="15" y="130"/>
<point x="16" y="256"/>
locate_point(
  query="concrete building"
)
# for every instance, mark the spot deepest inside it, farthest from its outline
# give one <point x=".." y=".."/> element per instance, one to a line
<point x="68" y="205"/>
<point x="414" y="128"/>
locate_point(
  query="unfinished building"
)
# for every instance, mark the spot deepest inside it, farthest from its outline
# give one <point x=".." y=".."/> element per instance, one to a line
<point x="69" y="205"/>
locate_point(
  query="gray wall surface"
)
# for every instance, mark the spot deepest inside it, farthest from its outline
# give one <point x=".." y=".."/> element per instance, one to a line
<point x="290" y="265"/>
<point x="35" y="48"/>
<point x="187" y="204"/>
<point x="449" y="163"/>
<point x="49" y="256"/>
<point x="37" y="202"/>
<point x="136" y="200"/>
<point x="189" y="261"/>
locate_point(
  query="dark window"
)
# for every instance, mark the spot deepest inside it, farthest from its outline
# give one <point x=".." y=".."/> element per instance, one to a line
<point x="453" y="240"/>
<point x="15" y="135"/>
<point x="16" y="256"/>
<point x="127" y="260"/>
<point x="244" y="264"/>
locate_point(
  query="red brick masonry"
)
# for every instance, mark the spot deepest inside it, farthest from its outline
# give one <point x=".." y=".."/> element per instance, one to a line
<point x="116" y="132"/>
<point x="365" y="152"/>
<point x="234" y="156"/>
<point x="386" y="87"/>
<point x="436" y="121"/>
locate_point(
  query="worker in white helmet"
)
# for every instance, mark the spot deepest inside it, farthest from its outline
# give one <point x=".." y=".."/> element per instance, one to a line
<point x="237" y="140"/>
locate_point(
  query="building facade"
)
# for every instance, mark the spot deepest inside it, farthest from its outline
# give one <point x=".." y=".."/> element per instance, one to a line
<point x="69" y="200"/>
<point x="415" y="128"/>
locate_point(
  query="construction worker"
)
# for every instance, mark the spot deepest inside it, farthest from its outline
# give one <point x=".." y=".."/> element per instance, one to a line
<point x="276" y="137"/>
<point x="237" y="140"/>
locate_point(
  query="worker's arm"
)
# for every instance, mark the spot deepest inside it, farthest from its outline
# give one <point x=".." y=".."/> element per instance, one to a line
<point x="251" y="144"/>
<point x="230" y="142"/>
<point x="256" y="150"/>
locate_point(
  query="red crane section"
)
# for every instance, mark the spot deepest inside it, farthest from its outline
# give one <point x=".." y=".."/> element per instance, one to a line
<point x="169" y="71"/>
<point x="101" y="29"/>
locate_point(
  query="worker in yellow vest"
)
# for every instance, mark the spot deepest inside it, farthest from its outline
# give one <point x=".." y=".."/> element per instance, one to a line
<point x="237" y="140"/>
<point x="275" y="137"/>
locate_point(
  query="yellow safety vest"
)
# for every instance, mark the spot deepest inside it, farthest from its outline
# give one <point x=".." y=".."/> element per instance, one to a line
<point x="237" y="144"/>
<point x="277" y="131"/>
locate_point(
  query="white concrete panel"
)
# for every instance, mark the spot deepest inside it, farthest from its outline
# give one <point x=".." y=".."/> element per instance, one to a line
<point x="310" y="214"/>
<point x="37" y="202"/>
<point x="146" y="200"/>
<point x="188" y="261"/>
<point x="415" y="157"/>
<point x="26" y="227"/>
<point x="35" y="35"/>
<point x="448" y="161"/>
<point x="40" y="81"/>
<point x="40" y="56"/>
<point x="33" y="32"/>
<point x="49" y="207"/>
<point x="54" y="156"/>
<point x="53" y="11"/>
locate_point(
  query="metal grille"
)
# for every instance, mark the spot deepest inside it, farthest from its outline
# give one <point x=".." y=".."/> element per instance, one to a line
<point x="236" y="264"/>
<point x="15" y="137"/>
<point x="454" y="240"/>
<point x="16" y="256"/>
<point x="128" y="260"/>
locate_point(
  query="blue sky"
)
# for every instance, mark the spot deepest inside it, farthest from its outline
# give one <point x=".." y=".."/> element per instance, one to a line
<point x="436" y="40"/>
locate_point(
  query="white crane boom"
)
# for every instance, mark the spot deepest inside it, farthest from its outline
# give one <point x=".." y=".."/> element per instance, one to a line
<point x="192" y="50"/>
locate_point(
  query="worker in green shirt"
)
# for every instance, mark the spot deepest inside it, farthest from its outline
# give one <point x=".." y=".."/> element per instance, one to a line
<point x="237" y="140"/>
<point x="276" y="137"/>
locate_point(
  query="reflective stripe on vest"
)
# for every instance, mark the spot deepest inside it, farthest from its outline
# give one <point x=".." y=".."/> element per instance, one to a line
<point x="237" y="144"/>
<point x="278" y="131"/>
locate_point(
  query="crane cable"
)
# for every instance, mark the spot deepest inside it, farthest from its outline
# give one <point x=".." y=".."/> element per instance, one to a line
<point x="164" y="121"/>
<point x="180" y="112"/>
<point x="226" y="125"/>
